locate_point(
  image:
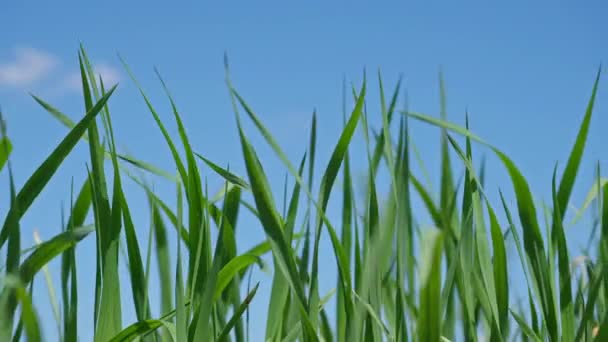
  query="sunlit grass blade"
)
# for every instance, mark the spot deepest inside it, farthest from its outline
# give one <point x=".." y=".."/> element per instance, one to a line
<point x="567" y="182"/>
<point x="280" y="286"/>
<point x="29" y="317"/>
<point x="526" y="329"/>
<point x="429" y="322"/>
<point x="163" y="260"/>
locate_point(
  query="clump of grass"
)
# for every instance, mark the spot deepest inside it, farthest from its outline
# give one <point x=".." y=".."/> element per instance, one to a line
<point x="396" y="279"/>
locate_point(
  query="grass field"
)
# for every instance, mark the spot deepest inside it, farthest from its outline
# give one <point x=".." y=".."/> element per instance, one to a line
<point x="397" y="280"/>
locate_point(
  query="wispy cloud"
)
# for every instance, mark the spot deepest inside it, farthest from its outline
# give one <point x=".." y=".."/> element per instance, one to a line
<point x="27" y="67"/>
<point x="109" y="74"/>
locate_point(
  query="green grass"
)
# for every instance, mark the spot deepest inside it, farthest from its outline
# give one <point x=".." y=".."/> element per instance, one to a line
<point x="398" y="280"/>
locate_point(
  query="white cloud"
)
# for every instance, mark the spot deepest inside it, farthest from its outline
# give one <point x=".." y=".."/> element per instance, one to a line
<point x="28" y="67"/>
<point x="109" y="74"/>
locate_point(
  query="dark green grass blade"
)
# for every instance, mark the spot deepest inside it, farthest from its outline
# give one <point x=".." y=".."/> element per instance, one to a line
<point x="178" y="162"/>
<point x="9" y="296"/>
<point x="108" y="219"/>
<point x="136" y="267"/>
<point x="181" y="320"/>
<point x="142" y="328"/>
<point x="227" y="175"/>
<point x="5" y="150"/>
<point x="38" y="180"/>
<point x="565" y="292"/>
<point x="66" y="121"/>
<point x="501" y="273"/>
<point x="163" y="260"/>
<point x="79" y="210"/>
<point x="272" y="225"/>
<point x="594" y="290"/>
<point x="344" y="317"/>
<point x="327" y="182"/>
<point x="312" y="144"/>
<point x="49" y="249"/>
<point x="223" y="336"/>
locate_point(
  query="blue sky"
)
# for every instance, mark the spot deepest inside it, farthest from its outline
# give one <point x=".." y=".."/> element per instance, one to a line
<point x="523" y="70"/>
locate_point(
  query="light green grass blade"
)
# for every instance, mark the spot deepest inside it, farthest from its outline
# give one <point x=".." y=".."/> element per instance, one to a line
<point x="568" y="178"/>
<point x="230" y="270"/>
<point x="526" y="329"/>
<point x="280" y="285"/>
<point x="163" y="260"/>
<point x="428" y="325"/>
<point x="29" y="317"/>
<point x="533" y="243"/>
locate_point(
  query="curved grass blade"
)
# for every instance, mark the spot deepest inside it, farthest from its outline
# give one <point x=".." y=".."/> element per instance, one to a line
<point x="66" y="121"/>
<point x="49" y="249"/>
<point x="227" y="175"/>
<point x="230" y="270"/>
<point x="29" y="317"/>
<point x="576" y="154"/>
<point x="326" y="184"/>
<point x="273" y="226"/>
<point x="38" y="180"/>
<point x="5" y="150"/>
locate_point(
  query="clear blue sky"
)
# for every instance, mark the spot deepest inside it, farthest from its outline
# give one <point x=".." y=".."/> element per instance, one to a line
<point x="523" y="70"/>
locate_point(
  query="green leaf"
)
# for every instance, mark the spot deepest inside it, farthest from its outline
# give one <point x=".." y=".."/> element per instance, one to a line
<point x="227" y="175"/>
<point x="5" y="150"/>
<point x="38" y="180"/>
<point x="49" y="249"/>
<point x="429" y="319"/>
<point x="569" y="176"/>
<point x="230" y="270"/>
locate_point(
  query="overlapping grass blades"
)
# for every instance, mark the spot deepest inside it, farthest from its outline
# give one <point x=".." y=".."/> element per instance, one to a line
<point x="398" y="279"/>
